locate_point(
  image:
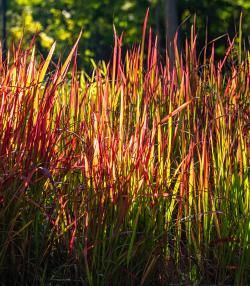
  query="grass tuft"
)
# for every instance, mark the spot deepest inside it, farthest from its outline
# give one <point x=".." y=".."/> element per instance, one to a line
<point x="135" y="175"/>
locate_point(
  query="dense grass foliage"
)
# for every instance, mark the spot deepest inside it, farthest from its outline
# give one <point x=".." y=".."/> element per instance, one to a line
<point x="136" y="175"/>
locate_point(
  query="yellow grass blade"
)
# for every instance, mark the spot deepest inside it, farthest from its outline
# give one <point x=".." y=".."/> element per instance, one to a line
<point x="46" y="63"/>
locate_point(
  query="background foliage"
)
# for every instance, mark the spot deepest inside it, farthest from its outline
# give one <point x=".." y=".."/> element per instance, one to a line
<point x="62" y="20"/>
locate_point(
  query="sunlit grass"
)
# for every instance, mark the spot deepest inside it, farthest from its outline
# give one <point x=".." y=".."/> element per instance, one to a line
<point x="135" y="175"/>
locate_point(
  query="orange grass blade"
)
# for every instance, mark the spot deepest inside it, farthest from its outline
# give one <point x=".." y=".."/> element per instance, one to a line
<point x="177" y="110"/>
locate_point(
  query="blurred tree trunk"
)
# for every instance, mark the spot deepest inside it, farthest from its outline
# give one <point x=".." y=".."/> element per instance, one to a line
<point x="4" y="24"/>
<point x="171" y="25"/>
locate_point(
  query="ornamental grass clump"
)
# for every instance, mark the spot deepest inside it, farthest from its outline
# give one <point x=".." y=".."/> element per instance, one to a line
<point x="137" y="174"/>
